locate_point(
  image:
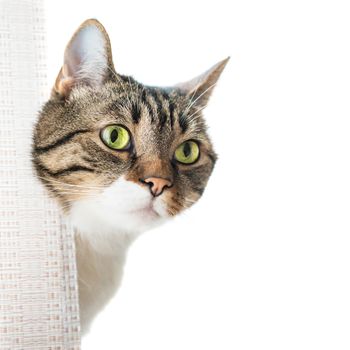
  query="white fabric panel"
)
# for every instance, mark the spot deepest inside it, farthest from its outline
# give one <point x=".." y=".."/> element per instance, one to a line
<point x="38" y="289"/>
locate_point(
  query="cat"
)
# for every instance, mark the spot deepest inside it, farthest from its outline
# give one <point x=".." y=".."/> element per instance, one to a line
<point x="119" y="157"/>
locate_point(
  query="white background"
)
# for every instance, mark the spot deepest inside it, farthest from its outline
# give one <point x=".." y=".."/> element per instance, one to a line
<point x="262" y="261"/>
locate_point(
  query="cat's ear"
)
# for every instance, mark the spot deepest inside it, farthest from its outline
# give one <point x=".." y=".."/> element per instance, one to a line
<point x="200" y="88"/>
<point x="87" y="59"/>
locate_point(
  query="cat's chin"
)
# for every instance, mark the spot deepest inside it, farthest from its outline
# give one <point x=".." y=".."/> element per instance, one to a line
<point x="117" y="215"/>
<point x="146" y="213"/>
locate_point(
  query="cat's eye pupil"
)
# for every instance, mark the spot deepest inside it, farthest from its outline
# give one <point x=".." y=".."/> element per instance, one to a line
<point x="187" y="152"/>
<point x="187" y="149"/>
<point x="114" y="135"/>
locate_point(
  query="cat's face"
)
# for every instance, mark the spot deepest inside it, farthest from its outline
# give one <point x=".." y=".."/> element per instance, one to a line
<point x="116" y="153"/>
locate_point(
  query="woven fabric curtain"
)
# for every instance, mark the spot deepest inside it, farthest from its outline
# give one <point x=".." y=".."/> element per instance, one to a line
<point x="38" y="289"/>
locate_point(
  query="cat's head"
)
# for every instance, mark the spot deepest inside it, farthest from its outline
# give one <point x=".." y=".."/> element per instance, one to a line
<point x="116" y="154"/>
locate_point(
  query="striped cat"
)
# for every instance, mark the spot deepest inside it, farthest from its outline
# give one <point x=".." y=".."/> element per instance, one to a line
<point x="120" y="157"/>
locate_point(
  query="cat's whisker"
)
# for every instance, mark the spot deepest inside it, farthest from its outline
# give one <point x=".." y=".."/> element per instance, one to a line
<point x="190" y="200"/>
<point x="71" y="201"/>
<point x="202" y="94"/>
<point x="196" y="112"/>
<point x="84" y="282"/>
<point x="172" y="211"/>
<point x="74" y="188"/>
<point x="68" y="203"/>
<point x="85" y="194"/>
<point x="191" y="104"/>
<point x="118" y="77"/>
<point x="65" y="207"/>
<point x="71" y="185"/>
<point x="121" y="82"/>
<point x="189" y="204"/>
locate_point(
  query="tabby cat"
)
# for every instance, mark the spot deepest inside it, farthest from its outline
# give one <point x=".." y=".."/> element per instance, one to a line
<point x="119" y="157"/>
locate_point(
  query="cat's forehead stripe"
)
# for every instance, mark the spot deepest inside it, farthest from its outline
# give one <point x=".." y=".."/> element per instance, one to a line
<point x="155" y="104"/>
<point x="162" y="106"/>
<point x="183" y="122"/>
<point x="145" y="102"/>
<point x="158" y="99"/>
<point x="171" y="113"/>
<point x="135" y="112"/>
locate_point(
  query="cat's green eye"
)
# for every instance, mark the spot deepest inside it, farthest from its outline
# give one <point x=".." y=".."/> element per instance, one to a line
<point x="187" y="152"/>
<point x="116" y="137"/>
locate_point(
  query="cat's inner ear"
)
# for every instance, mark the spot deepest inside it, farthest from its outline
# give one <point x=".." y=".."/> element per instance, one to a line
<point x="87" y="59"/>
<point x="200" y="88"/>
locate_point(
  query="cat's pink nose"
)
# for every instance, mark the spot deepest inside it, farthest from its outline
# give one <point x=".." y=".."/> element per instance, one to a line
<point x="157" y="185"/>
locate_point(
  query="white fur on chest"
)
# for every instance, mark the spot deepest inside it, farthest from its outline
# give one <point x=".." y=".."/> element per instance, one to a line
<point x="99" y="276"/>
